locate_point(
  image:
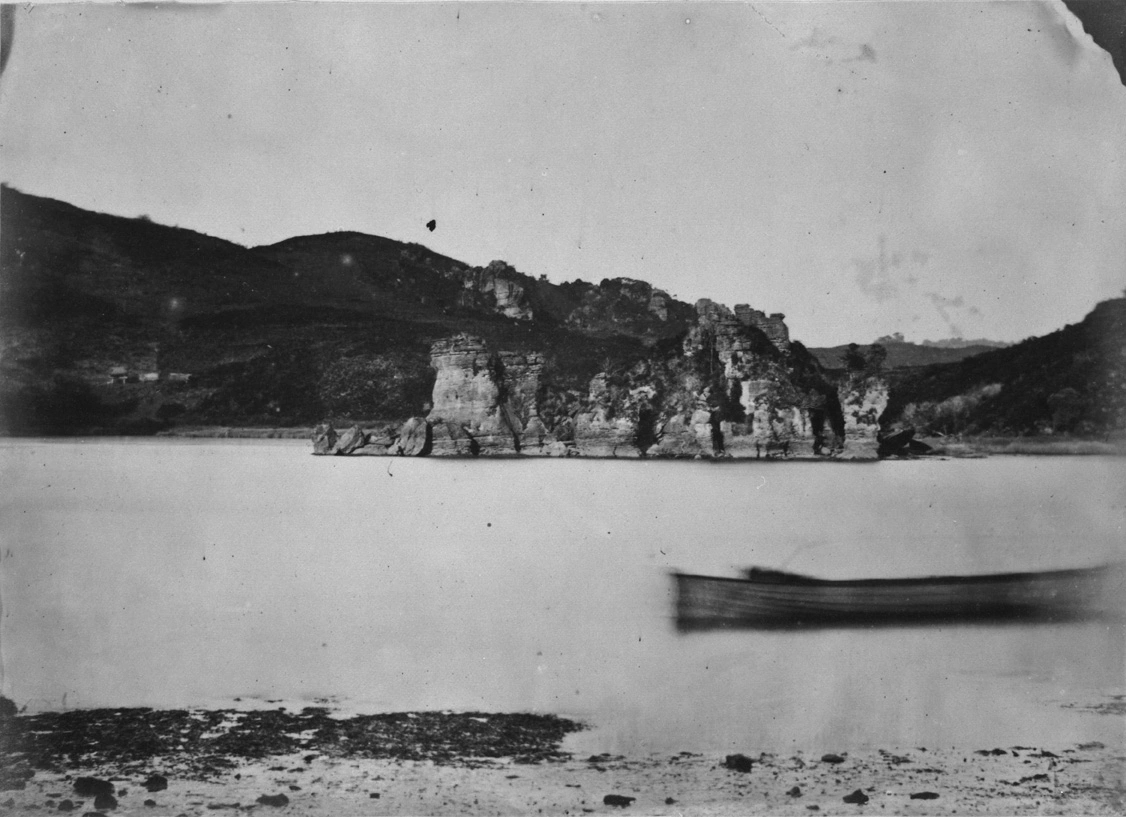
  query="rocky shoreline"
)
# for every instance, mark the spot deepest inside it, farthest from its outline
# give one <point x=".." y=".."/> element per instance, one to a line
<point x="194" y="762"/>
<point x="732" y="386"/>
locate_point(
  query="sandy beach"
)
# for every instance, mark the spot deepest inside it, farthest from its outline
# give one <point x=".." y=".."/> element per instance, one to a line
<point x="198" y="762"/>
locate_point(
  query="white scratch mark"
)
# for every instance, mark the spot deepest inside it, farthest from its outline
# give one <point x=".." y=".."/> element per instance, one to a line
<point x="763" y="17"/>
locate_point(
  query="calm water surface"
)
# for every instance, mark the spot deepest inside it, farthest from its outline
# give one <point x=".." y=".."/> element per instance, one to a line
<point x="170" y="573"/>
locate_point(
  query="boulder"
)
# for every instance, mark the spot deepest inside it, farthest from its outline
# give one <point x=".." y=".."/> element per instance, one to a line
<point x="324" y="439"/>
<point x="104" y="802"/>
<point x="156" y="782"/>
<point x="415" y="439"/>
<point x="92" y="786"/>
<point x="350" y="440"/>
<point x="919" y="448"/>
<point x="896" y="442"/>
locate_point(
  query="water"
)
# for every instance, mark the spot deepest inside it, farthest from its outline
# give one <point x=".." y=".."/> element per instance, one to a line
<point x="166" y="573"/>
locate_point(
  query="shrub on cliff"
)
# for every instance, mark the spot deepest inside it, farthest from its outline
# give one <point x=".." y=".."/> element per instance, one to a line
<point x="383" y="386"/>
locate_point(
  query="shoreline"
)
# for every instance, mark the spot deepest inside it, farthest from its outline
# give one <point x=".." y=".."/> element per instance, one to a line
<point x="431" y="763"/>
<point x="943" y="448"/>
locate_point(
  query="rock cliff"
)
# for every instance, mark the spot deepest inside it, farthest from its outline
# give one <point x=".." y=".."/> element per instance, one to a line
<point x="484" y="401"/>
<point x="498" y="288"/>
<point x="731" y="386"/>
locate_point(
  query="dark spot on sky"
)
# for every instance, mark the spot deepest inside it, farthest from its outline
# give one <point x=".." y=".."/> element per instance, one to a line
<point x="431" y="224"/>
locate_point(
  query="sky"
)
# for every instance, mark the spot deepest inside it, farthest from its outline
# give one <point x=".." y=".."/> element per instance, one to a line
<point x="940" y="169"/>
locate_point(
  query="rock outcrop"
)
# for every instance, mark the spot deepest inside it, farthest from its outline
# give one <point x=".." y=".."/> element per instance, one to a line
<point x="730" y="390"/>
<point x="773" y="325"/>
<point x="484" y="401"/>
<point x="863" y="397"/>
<point x="733" y="385"/>
<point x="499" y="288"/>
<point x="621" y="304"/>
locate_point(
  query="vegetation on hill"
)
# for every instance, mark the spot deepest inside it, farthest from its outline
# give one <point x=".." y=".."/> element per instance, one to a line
<point x="119" y="325"/>
<point x="1072" y="381"/>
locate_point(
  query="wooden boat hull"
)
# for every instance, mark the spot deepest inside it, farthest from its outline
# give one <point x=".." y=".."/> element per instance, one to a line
<point x="784" y="600"/>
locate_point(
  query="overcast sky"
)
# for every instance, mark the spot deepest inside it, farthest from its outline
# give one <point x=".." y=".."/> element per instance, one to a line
<point x="933" y="168"/>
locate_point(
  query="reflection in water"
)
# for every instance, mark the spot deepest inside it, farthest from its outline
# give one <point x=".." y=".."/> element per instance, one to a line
<point x="167" y="573"/>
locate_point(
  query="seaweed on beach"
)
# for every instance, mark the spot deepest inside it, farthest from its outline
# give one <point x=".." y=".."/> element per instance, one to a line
<point x="204" y="743"/>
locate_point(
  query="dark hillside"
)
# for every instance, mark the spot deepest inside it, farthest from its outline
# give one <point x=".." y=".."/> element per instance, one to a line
<point x="1071" y="381"/>
<point x="119" y="325"/>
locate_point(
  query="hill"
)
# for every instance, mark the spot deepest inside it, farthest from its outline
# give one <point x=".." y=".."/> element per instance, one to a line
<point x="903" y="354"/>
<point x="119" y="325"/>
<point x="112" y="325"/>
<point x="1071" y="381"/>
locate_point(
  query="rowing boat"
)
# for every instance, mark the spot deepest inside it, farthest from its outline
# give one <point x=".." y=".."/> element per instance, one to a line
<point x="771" y="598"/>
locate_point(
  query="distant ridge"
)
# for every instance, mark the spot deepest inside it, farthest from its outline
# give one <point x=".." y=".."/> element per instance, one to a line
<point x="1071" y="381"/>
<point x="962" y="343"/>
<point x="902" y="354"/>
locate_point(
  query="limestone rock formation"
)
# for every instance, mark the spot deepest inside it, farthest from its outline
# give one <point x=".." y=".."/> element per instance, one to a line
<point x="773" y="325"/>
<point x="498" y="287"/>
<point x="732" y="385"/>
<point x="484" y="401"/>
<point x="730" y="390"/>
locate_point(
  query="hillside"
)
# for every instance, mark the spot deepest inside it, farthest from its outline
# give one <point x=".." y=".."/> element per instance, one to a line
<point x="112" y="325"/>
<point x="1071" y="381"/>
<point x="119" y="325"/>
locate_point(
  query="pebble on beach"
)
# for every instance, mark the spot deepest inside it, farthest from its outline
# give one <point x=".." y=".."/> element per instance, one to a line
<point x="277" y="800"/>
<point x="92" y="786"/>
<point x="738" y="763"/>
<point x="618" y="800"/>
<point x="105" y="801"/>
